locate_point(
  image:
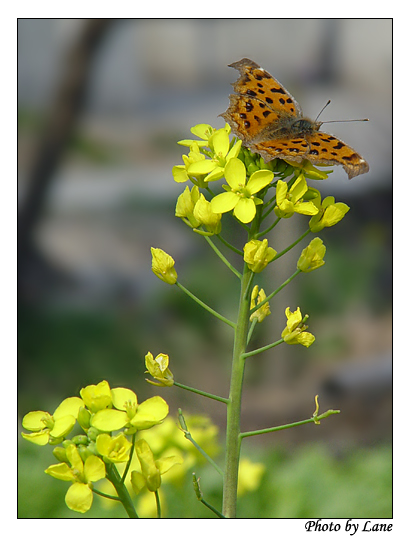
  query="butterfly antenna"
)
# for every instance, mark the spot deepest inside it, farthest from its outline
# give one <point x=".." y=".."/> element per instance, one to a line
<point x="344" y="121"/>
<point x="327" y="104"/>
<point x="337" y="120"/>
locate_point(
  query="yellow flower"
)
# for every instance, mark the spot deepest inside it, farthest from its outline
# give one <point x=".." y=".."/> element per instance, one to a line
<point x="185" y="206"/>
<point x="180" y="172"/>
<point x="295" y="331"/>
<point x="258" y="255"/>
<point x="114" y="449"/>
<point x="221" y="153"/>
<point x="329" y="213"/>
<point x="151" y="470"/>
<point x="240" y="195"/>
<point x="289" y="201"/>
<point x="129" y="414"/>
<point x="203" y="131"/>
<point x="312" y="256"/>
<point x="79" y="496"/>
<point x="263" y="311"/>
<point x="204" y="214"/>
<point x="163" y="266"/>
<point x="97" y="397"/>
<point x="47" y="428"/>
<point x="158" y="368"/>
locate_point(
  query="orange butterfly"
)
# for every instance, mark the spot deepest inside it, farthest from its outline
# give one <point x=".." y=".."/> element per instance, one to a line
<point x="270" y="122"/>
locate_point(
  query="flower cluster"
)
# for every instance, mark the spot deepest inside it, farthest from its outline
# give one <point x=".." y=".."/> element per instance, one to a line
<point x="213" y="156"/>
<point x="295" y="331"/>
<point x="84" y="459"/>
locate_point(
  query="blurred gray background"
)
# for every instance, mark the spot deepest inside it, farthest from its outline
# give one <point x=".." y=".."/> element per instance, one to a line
<point x="101" y="105"/>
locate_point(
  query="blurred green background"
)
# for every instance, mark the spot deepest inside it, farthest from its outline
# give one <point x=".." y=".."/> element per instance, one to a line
<point x="102" y="104"/>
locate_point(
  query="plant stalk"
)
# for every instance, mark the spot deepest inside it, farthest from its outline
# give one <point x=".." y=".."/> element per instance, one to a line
<point x="123" y="495"/>
<point x="235" y="398"/>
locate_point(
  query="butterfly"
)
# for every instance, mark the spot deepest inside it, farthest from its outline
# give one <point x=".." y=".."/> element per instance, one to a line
<point x="269" y="121"/>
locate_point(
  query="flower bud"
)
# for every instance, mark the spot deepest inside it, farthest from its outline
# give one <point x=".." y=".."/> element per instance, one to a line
<point x="295" y="331"/>
<point x="148" y="466"/>
<point x="80" y="440"/>
<point x="204" y="214"/>
<point x="329" y="214"/>
<point x="258" y="255"/>
<point x="163" y="266"/>
<point x="312" y="256"/>
<point x="92" y="433"/>
<point x="185" y="206"/>
<point x="263" y="311"/>
<point x="60" y="454"/>
<point x="84" y="418"/>
<point x="158" y="368"/>
<point x="96" y="397"/>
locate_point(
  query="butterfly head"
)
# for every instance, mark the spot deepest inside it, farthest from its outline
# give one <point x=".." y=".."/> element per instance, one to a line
<point x="305" y="126"/>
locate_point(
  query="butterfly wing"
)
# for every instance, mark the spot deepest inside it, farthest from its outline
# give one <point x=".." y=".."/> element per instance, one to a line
<point x="317" y="147"/>
<point x="265" y="116"/>
<point x="260" y="102"/>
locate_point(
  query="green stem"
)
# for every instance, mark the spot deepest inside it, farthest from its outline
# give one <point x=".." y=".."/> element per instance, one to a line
<point x="123" y="495"/>
<point x="222" y="257"/>
<point x="200" y="496"/>
<point x="158" y="504"/>
<point x="269" y="228"/>
<point x="292" y="245"/>
<point x="230" y="246"/>
<point x="188" y="436"/>
<point x="203" y="393"/>
<point x="250" y="332"/>
<point x="214" y="510"/>
<point x="262" y="349"/>
<point x="105" y="495"/>
<point x="283" y="285"/>
<point x="129" y="460"/>
<point x="233" y="414"/>
<point x="205" y="306"/>
<point x="234" y="404"/>
<point x="291" y="425"/>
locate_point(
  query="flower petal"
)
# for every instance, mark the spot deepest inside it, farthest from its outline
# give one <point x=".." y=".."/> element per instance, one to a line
<point x="306" y="339"/>
<point x="38" y="438"/>
<point x="94" y="469"/>
<point x="69" y="406"/>
<point x="34" y="422"/>
<point x="63" y="426"/>
<point x="179" y="173"/>
<point x="235" y="173"/>
<point x="109" y="420"/>
<point x="233" y="153"/>
<point x="165" y="464"/>
<point x="137" y="481"/>
<point x="281" y="191"/>
<point x="79" y="497"/>
<point x="245" y="210"/>
<point x="202" y="130"/>
<point x="203" y="167"/>
<point x="96" y="397"/>
<point x="259" y="180"/>
<point x="61" y="471"/>
<point x="298" y="189"/>
<point x="308" y="208"/>
<point x="224" y="202"/>
<point x="150" y="412"/>
<point x="219" y="142"/>
<point x="122" y="397"/>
